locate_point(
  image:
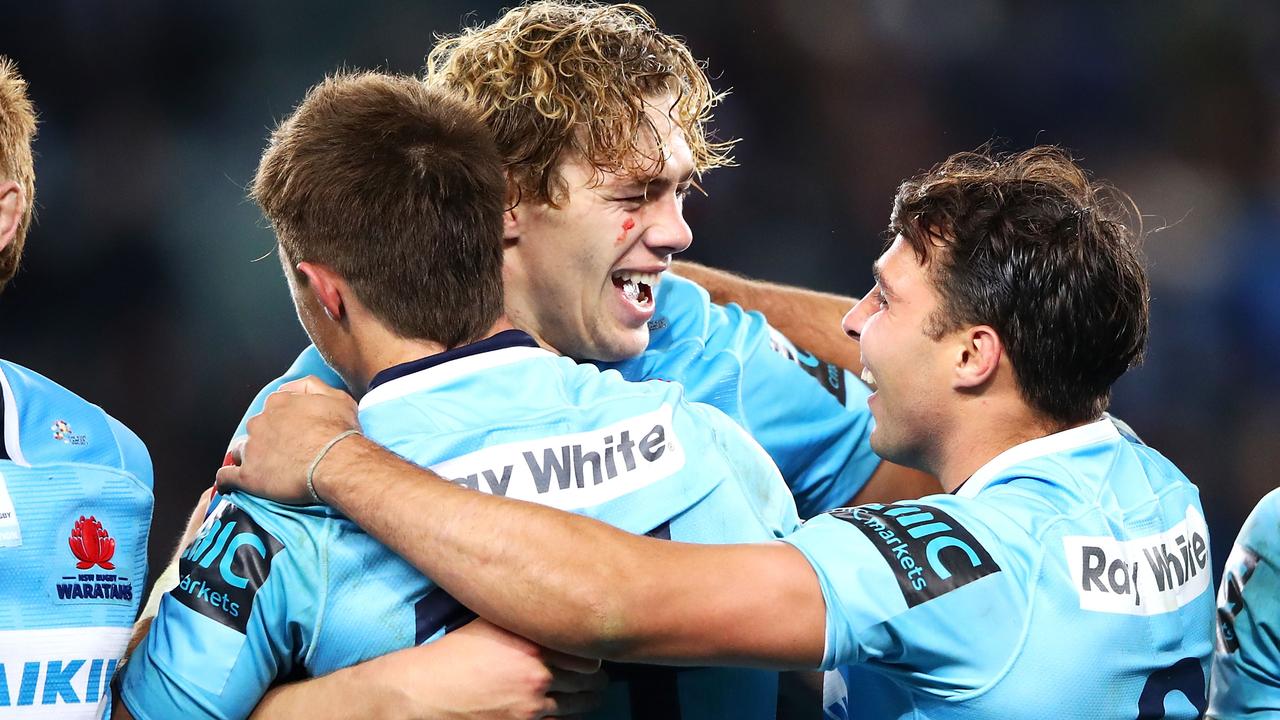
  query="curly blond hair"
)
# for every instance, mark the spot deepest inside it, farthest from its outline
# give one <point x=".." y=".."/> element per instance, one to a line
<point x="557" y="79"/>
<point x="17" y="130"/>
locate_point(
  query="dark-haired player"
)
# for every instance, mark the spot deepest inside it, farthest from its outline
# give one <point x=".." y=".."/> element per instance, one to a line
<point x="1065" y="575"/>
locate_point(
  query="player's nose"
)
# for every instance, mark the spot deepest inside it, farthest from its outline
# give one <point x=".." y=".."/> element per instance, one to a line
<point x="856" y="318"/>
<point x="668" y="233"/>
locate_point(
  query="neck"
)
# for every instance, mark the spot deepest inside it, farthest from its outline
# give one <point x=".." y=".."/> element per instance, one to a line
<point x="526" y="322"/>
<point x="378" y="348"/>
<point x="984" y="434"/>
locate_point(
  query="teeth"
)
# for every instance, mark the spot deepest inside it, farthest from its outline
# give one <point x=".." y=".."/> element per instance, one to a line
<point x="867" y="377"/>
<point x="650" y="279"/>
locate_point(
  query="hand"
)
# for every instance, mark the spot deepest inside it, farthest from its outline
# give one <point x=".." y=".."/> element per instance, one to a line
<point x="295" y="424"/>
<point x="482" y="671"/>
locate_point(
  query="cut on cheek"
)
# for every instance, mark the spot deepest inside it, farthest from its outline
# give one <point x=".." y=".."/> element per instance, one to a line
<point x="627" y="226"/>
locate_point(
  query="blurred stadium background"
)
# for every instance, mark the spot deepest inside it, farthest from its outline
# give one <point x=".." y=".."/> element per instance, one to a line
<point x="140" y="289"/>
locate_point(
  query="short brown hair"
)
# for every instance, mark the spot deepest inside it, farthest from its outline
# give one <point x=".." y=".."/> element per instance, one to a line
<point x="17" y="130"/>
<point x="556" y="79"/>
<point x="1028" y="244"/>
<point x="398" y="188"/>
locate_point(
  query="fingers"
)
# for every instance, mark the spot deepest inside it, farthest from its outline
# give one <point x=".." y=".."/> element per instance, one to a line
<point x="567" y="681"/>
<point x="572" y="704"/>
<point x="228" y="478"/>
<point x="310" y="385"/>
<point x="557" y="659"/>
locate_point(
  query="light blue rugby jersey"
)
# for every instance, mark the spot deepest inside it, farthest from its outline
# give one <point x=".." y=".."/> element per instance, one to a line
<point x="811" y="417"/>
<point x="1246" y="658"/>
<point x="1068" y="578"/>
<point x="269" y="592"/>
<point x="75" y="508"/>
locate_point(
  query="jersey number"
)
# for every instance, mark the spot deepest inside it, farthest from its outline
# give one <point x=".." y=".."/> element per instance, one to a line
<point x="1184" y="676"/>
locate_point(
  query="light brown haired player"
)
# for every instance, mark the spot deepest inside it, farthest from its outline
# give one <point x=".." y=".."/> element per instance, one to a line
<point x="386" y="196"/>
<point x="75" y="498"/>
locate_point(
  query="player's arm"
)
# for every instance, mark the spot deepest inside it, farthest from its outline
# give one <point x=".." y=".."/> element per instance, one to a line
<point x="564" y="581"/>
<point x="478" y="671"/>
<point x="808" y="318"/>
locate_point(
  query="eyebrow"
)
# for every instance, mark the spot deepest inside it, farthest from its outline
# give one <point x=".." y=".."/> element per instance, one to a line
<point x="879" y="277"/>
<point x="658" y="183"/>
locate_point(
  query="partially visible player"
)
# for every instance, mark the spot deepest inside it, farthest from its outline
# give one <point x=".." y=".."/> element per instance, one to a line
<point x="594" y="219"/>
<point x="386" y="197"/>
<point x="1066" y="575"/>
<point x="1246" y="659"/>
<point x="75" y="500"/>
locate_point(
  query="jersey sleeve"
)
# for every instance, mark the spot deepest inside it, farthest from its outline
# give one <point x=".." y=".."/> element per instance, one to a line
<point x="914" y="591"/>
<point x="1246" y="656"/>
<point x="239" y="620"/>
<point x="811" y="417"/>
<point x="134" y="457"/>
<point x="754" y="472"/>
<point x="308" y="363"/>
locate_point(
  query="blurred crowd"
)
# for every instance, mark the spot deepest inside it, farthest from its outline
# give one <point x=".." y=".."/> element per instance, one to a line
<point x="144" y="286"/>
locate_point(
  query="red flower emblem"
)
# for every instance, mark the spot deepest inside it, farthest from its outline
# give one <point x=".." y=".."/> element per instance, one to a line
<point x="91" y="544"/>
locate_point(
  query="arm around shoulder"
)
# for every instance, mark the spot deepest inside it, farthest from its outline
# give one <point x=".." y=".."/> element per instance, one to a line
<point x="810" y="319"/>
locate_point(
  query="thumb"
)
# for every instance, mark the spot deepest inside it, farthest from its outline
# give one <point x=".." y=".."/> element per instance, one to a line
<point x="573" y="663"/>
<point x="228" y="478"/>
<point x="309" y="385"/>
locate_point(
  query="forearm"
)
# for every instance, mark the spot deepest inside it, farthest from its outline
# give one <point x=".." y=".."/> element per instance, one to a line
<point x="494" y="555"/>
<point x="330" y="697"/>
<point x="575" y="584"/>
<point x="808" y="318"/>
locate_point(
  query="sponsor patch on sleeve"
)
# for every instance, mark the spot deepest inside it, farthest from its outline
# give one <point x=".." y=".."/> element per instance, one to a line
<point x="1241" y="565"/>
<point x="929" y="551"/>
<point x="1143" y="576"/>
<point x="830" y="377"/>
<point x="222" y="569"/>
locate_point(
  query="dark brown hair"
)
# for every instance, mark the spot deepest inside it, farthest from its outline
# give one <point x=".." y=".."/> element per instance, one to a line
<point x="398" y="188"/>
<point x="557" y="80"/>
<point x="17" y="130"/>
<point x="1027" y="244"/>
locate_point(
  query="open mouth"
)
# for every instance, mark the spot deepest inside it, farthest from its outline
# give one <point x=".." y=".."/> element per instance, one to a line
<point x="636" y="286"/>
<point x="868" y="378"/>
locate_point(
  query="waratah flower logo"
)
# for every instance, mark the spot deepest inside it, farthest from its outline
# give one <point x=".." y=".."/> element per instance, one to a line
<point x="91" y="544"/>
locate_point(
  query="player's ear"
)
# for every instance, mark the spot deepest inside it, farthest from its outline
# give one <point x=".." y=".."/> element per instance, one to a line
<point x="327" y="287"/>
<point x="977" y="356"/>
<point x="511" y="212"/>
<point x="12" y="202"/>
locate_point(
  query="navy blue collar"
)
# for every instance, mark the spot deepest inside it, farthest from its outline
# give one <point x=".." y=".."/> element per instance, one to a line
<point x="504" y="339"/>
